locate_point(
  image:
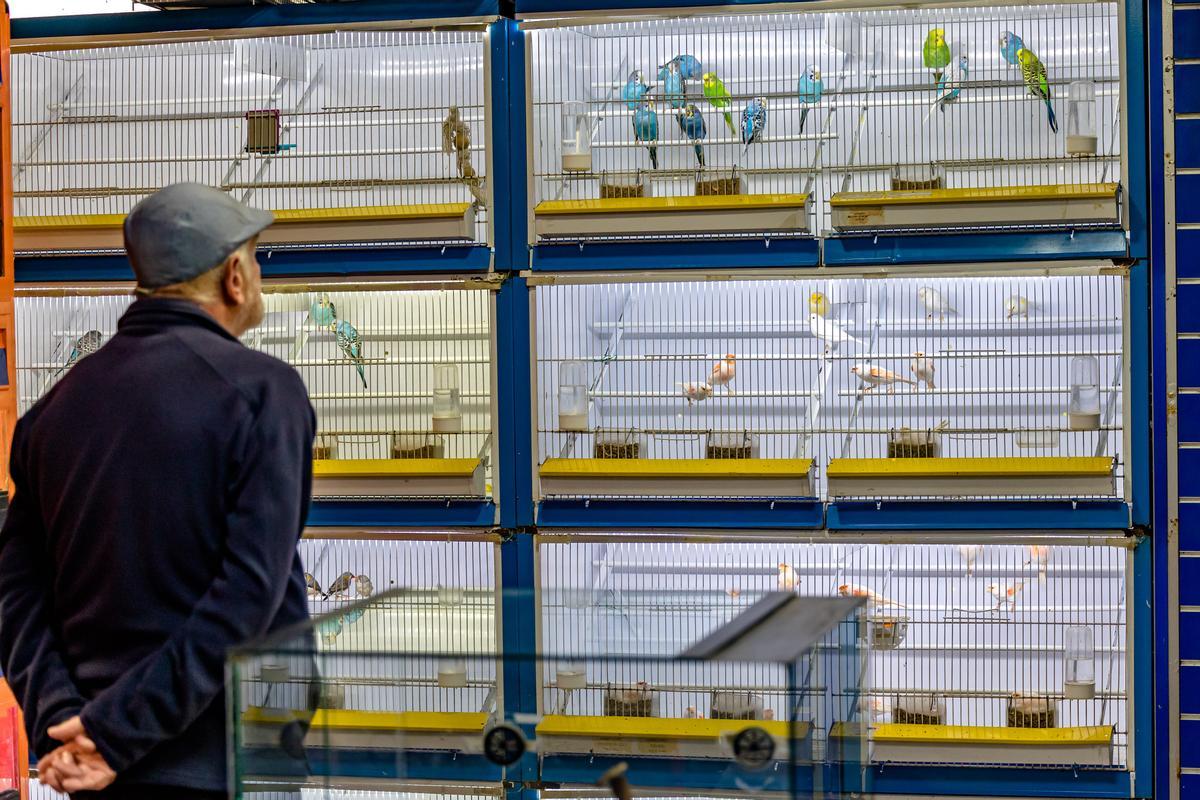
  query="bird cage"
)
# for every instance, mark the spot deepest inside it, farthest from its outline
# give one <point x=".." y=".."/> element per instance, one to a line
<point x="880" y="119"/>
<point x="977" y="677"/>
<point x="349" y="136"/>
<point x="369" y="356"/>
<point x="885" y="388"/>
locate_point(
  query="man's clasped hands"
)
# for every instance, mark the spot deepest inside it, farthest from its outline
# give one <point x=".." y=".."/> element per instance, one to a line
<point x="77" y="765"/>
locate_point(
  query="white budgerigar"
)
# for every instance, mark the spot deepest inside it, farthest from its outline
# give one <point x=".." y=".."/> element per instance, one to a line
<point x="875" y="377"/>
<point x="970" y="554"/>
<point x="829" y="331"/>
<point x="723" y="372"/>
<point x="934" y="302"/>
<point x="788" y="581"/>
<point x="922" y="367"/>
<point x="696" y="391"/>
<point x="1016" y="306"/>
<point x="1041" y="554"/>
<point x="852" y="590"/>
<point x="1006" y="594"/>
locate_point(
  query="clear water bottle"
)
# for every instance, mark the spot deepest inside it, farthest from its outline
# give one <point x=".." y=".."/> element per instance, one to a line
<point x="572" y="396"/>
<point x="1081" y="119"/>
<point x="447" y="398"/>
<point x="1083" y="409"/>
<point x="1079" y="663"/>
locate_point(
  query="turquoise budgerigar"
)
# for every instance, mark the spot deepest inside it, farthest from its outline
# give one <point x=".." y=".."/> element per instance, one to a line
<point x="950" y="87"/>
<point x="673" y="87"/>
<point x="691" y="122"/>
<point x="688" y="66"/>
<point x="349" y="342"/>
<point x="718" y="97"/>
<point x="1010" y="43"/>
<point x="634" y="90"/>
<point x="1034" y="73"/>
<point x="645" y="130"/>
<point x="322" y="312"/>
<point x="935" y="55"/>
<point x="754" y="121"/>
<point x="809" y="89"/>
<point x="82" y="347"/>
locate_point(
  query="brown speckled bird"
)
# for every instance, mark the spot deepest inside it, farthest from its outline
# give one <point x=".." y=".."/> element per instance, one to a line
<point x="364" y="586"/>
<point x="341" y="587"/>
<point x="456" y="141"/>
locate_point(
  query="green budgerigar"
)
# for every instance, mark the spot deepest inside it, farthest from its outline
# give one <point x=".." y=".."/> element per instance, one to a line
<point x="936" y="53"/>
<point x="718" y="97"/>
<point x="1034" y="73"/>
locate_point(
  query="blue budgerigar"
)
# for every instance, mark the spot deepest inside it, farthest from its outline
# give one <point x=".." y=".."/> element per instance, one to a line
<point x="82" y="347"/>
<point x="688" y="66"/>
<point x="673" y="86"/>
<point x="754" y="121"/>
<point x="1010" y="43"/>
<point x="950" y="86"/>
<point x="691" y="122"/>
<point x="322" y="312"/>
<point x="645" y="130"/>
<point x="350" y="343"/>
<point x="809" y="89"/>
<point x="634" y="90"/>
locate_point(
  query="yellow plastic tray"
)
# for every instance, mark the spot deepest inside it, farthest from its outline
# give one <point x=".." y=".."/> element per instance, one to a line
<point x="284" y="217"/>
<point x="923" y="196"/>
<point x="1050" y="466"/>
<point x="395" y="467"/>
<point x="69" y="222"/>
<point x="949" y="734"/>
<point x="409" y="721"/>
<point x="703" y="203"/>
<point x="675" y="467"/>
<point x="657" y="728"/>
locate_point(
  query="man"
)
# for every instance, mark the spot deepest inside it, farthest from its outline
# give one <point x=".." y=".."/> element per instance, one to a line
<point x="160" y="490"/>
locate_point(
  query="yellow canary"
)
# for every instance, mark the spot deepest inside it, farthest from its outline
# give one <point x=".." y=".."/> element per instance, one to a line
<point x="817" y="304"/>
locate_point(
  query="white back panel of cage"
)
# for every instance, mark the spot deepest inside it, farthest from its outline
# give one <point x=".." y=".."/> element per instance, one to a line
<point x="957" y="634"/>
<point x="359" y="121"/>
<point x="871" y="120"/>
<point x="404" y="337"/>
<point x="984" y="365"/>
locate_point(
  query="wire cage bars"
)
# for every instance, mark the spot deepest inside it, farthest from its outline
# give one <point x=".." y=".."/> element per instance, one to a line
<point x="858" y="101"/>
<point x="1005" y="370"/>
<point x="983" y="635"/>
<point x="318" y="124"/>
<point x="400" y="374"/>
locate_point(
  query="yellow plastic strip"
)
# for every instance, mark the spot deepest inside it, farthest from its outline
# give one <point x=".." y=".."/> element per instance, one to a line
<point x="657" y="728"/>
<point x="284" y="217"/>
<point x="923" y="196"/>
<point x="69" y="222"/>
<point x="675" y="468"/>
<point x="971" y="734"/>
<point x="1049" y="466"/>
<point x="408" y="721"/>
<point x="395" y="467"/>
<point x="731" y="202"/>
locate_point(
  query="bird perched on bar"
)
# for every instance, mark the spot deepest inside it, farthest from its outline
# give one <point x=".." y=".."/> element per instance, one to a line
<point x="691" y="122"/>
<point x="788" y="580"/>
<point x="1010" y="43"/>
<point x="935" y="54"/>
<point x="634" y="90"/>
<point x="1041" y="554"/>
<point x="645" y="129"/>
<point x="754" y="122"/>
<point x="950" y="86"/>
<point x="81" y="348"/>
<point x="1033" y="71"/>
<point x="723" y="372"/>
<point x="312" y="587"/>
<point x="922" y="367"/>
<point x="1016" y="306"/>
<point x="322" y="313"/>
<point x="689" y="67"/>
<point x="718" y="97"/>
<point x="970" y="554"/>
<point x="875" y="377"/>
<point x="809" y="89"/>
<point x="340" y="588"/>
<point x="673" y="87"/>
<point x="1005" y="594"/>
<point x="363" y="585"/>
<point x="829" y="332"/>
<point x="818" y="304"/>
<point x="852" y="590"/>
<point x="696" y="392"/>
<point x="350" y="343"/>
<point x="456" y="141"/>
<point x="934" y="302"/>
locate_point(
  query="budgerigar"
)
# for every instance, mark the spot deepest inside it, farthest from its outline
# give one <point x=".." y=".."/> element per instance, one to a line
<point x="829" y="331"/>
<point x="1041" y="554"/>
<point x="1034" y="73"/>
<point x="673" y="87"/>
<point x="312" y="587"/>
<point x="1005" y="594"/>
<point x="645" y="129"/>
<point x="340" y="588"/>
<point x="950" y="86"/>
<point x="934" y="302"/>
<point x="718" y="97"/>
<point x="809" y="89"/>
<point x="875" y="377"/>
<point x="970" y="554"/>
<point x="696" y="391"/>
<point x="349" y="342"/>
<point x="82" y="347"/>
<point x="688" y="67"/>
<point x="322" y="312"/>
<point x="922" y="368"/>
<point x="363" y="586"/>
<point x="1010" y="43"/>
<point x="723" y="372"/>
<point x="634" y="90"/>
<point x="788" y="580"/>
<point x="935" y="55"/>
<point x="691" y="122"/>
<point x="851" y="590"/>
<point x="754" y="122"/>
<point x="818" y="304"/>
<point x="1016" y="306"/>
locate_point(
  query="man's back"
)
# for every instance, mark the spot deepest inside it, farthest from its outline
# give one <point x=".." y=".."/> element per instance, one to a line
<point x="138" y="463"/>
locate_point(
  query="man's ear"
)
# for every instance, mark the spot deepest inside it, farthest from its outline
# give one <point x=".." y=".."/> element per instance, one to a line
<point x="233" y="281"/>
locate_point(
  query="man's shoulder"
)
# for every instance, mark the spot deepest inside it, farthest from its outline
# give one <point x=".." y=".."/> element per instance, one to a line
<point x="259" y="376"/>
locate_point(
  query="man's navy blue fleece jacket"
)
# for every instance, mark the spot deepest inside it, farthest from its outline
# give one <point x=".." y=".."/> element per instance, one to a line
<point x="160" y="490"/>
